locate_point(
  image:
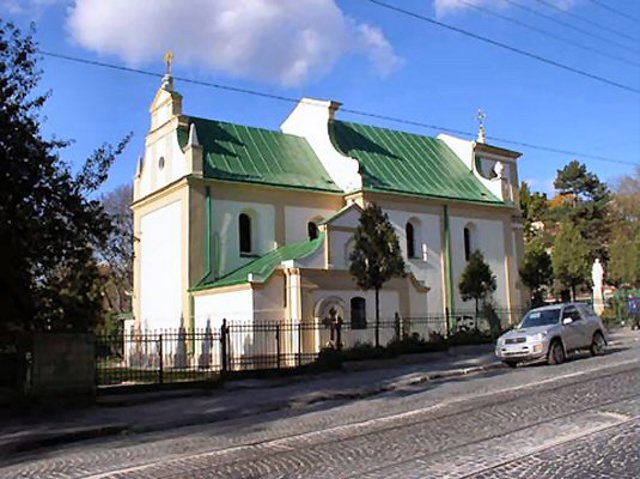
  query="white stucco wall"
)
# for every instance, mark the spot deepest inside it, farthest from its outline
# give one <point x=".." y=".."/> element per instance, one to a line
<point x="161" y="267"/>
<point x="214" y="307"/>
<point x="310" y="119"/>
<point x="339" y="242"/>
<point x="225" y="225"/>
<point x="152" y="177"/>
<point x="489" y="239"/>
<point x="427" y="235"/>
<point x="296" y="219"/>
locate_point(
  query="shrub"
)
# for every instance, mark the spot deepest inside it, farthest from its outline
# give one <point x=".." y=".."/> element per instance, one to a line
<point x="414" y="344"/>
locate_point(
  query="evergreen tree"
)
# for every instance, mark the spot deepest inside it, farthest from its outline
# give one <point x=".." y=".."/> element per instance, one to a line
<point x="49" y="223"/>
<point x="537" y="270"/>
<point x="376" y="257"/>
<point x="588" y="206"/>
<point x="624" y="260"/>
<point x="571" y="257"/>
<point x="477" y="280"/>
<point x="533" y="206"/>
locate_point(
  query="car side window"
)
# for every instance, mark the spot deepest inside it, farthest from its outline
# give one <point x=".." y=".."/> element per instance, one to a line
<point x="586" y="311"/>
<point x="571" y="312"/>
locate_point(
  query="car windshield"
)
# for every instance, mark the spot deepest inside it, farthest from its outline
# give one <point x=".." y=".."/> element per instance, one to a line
<point x="544" y="317"/>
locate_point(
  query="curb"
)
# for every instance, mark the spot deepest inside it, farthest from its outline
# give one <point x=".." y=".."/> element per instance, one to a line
<point x="61" y="436"/>
<point x="66" y="436"/>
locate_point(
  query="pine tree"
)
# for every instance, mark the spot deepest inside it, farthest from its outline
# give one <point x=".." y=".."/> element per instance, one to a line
<point x="537" y="269"/>
<point x="376" y="257"/>
<point x="50" y="224"/>
<point x="477" y="280"/>
<point x="571" y="257"/>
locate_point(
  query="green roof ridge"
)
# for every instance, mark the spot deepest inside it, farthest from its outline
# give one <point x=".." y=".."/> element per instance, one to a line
<point x="265" y="265"/>
<point x="409" y="163"/>
<point x="250" y="154"/>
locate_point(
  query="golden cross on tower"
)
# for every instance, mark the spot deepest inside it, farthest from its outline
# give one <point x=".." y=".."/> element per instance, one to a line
<point x="168" y="59"/>
<point x="480" y="116"/>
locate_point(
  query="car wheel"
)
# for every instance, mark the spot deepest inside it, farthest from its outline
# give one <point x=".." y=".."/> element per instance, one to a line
<point x="511" y="364"/>
<point x="597" y="344"/>
<point x="556" y="353"/>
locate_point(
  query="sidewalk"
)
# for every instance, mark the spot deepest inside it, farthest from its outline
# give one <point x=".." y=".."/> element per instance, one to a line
<point x="145" y="412"/>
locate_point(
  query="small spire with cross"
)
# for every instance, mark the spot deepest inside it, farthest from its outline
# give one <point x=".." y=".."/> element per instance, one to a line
<point x="480" y="116"/>
<point x="168" y="60"/>
<point x="167" y="79"/>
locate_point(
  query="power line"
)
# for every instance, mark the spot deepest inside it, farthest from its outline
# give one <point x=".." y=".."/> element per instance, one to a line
<point x="615" y="11"/>
<point x="548" y="34"/>
<point x="570" y="26"/>
<point x="587" y="21"/>
<point x="505" y="46"/>
<point x="355" y="112"/>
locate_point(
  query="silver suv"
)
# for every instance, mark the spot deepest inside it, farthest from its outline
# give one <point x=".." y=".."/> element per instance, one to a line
<point x="550" y="333"/>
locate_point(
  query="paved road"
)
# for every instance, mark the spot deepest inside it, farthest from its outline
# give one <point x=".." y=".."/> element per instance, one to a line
<point x="577" y="420"/>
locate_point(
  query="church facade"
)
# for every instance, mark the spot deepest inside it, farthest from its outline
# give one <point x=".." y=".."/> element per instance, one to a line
<point x="250" y="225"/>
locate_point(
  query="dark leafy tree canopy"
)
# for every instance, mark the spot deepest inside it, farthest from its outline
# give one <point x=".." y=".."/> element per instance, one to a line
<point x="571" y="256"/>
<point x="49" y="223"/>
<point x="376" y="257"/>
<point x="533" y="206"/>
<point x="477" y="281"/>
<point x="537" y="270"/>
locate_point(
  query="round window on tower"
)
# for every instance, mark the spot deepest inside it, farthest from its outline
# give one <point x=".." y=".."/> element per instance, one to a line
<point x="161" y="162"/>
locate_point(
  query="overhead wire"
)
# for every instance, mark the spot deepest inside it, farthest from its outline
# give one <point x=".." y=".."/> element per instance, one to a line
<point x="597" y="25"/>
<point x="505" y="46"/>
<point x="587" y="33"/>
<point x="356" y="112"/>
<point x="615" y="11"/>
<point x="547" y="33"/>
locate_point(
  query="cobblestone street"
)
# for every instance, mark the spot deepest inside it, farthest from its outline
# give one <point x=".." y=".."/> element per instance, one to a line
<point x="580" y="419"/>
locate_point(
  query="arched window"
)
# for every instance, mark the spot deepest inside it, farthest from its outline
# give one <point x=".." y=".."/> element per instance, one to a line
<point x="244" y="228"/>
<point x="470" y="244"/>
<point x="358" y="313"/>
<point x="411" y="240"/>
<point x="312" y="230"/>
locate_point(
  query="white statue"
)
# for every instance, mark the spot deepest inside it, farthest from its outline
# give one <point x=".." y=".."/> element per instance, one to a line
<point x="597" y="275"/>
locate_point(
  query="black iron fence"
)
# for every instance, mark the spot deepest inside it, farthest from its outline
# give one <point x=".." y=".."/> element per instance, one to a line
<point x="164" y="356"/>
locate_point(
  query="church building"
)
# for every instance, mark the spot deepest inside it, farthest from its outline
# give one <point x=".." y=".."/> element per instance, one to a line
<point x="248" y="224"/>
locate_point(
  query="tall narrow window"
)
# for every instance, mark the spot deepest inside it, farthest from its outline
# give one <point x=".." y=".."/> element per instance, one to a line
<point x="244" y="225"/>
<point x="467" y="243"/>
<point x="411" y="241"/>
<point x="358" y="313"/>
<point x="312" y="230"/>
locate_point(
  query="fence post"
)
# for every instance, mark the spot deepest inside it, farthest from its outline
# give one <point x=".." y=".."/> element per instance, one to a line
<point x="223" y="345"/>
<point x="160" y="360"/>
<point x="339" y="335"/>
<point x="277" y="346"/>
<point x="299" y="326"/>
<point x="397" y="325"/>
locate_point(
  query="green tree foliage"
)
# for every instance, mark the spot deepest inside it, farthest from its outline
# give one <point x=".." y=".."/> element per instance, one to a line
<point x="571" y="257"/>
<point x="537" y="270"/>
<point x="376" y="257"/>
<point x="624" y="260"/>
<point x="477" y="281"/>
<point x="588" y="208"/>
<point x="534" y="206"/>
<point x="49" y="223"/>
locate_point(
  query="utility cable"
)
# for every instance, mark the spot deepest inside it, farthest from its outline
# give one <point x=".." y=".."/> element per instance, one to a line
<point x="615" y="11"/>
<point x="504" y="46"/>
<point x="256" y="93"/>
<point x="597" y="25"/>
<point x="548" y="34"/>
<point x="570" y="26"/>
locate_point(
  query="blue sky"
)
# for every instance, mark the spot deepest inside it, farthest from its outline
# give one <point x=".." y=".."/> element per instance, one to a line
<point x="351" y="51"/>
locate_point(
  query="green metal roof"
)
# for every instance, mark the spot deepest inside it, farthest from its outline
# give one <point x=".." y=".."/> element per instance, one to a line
<point x="400" y="162"/>
<point x="255" y="155"/>
<point x="265" y="265"/>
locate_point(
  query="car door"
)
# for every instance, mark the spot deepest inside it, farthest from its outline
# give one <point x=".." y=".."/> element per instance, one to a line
<point x="589" y="325"/>
<point x="571" y="333"/>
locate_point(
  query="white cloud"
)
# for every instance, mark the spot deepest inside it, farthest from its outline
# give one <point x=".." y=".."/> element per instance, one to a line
<point x="450" y="7"/>
<point x="283" y="41"/>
